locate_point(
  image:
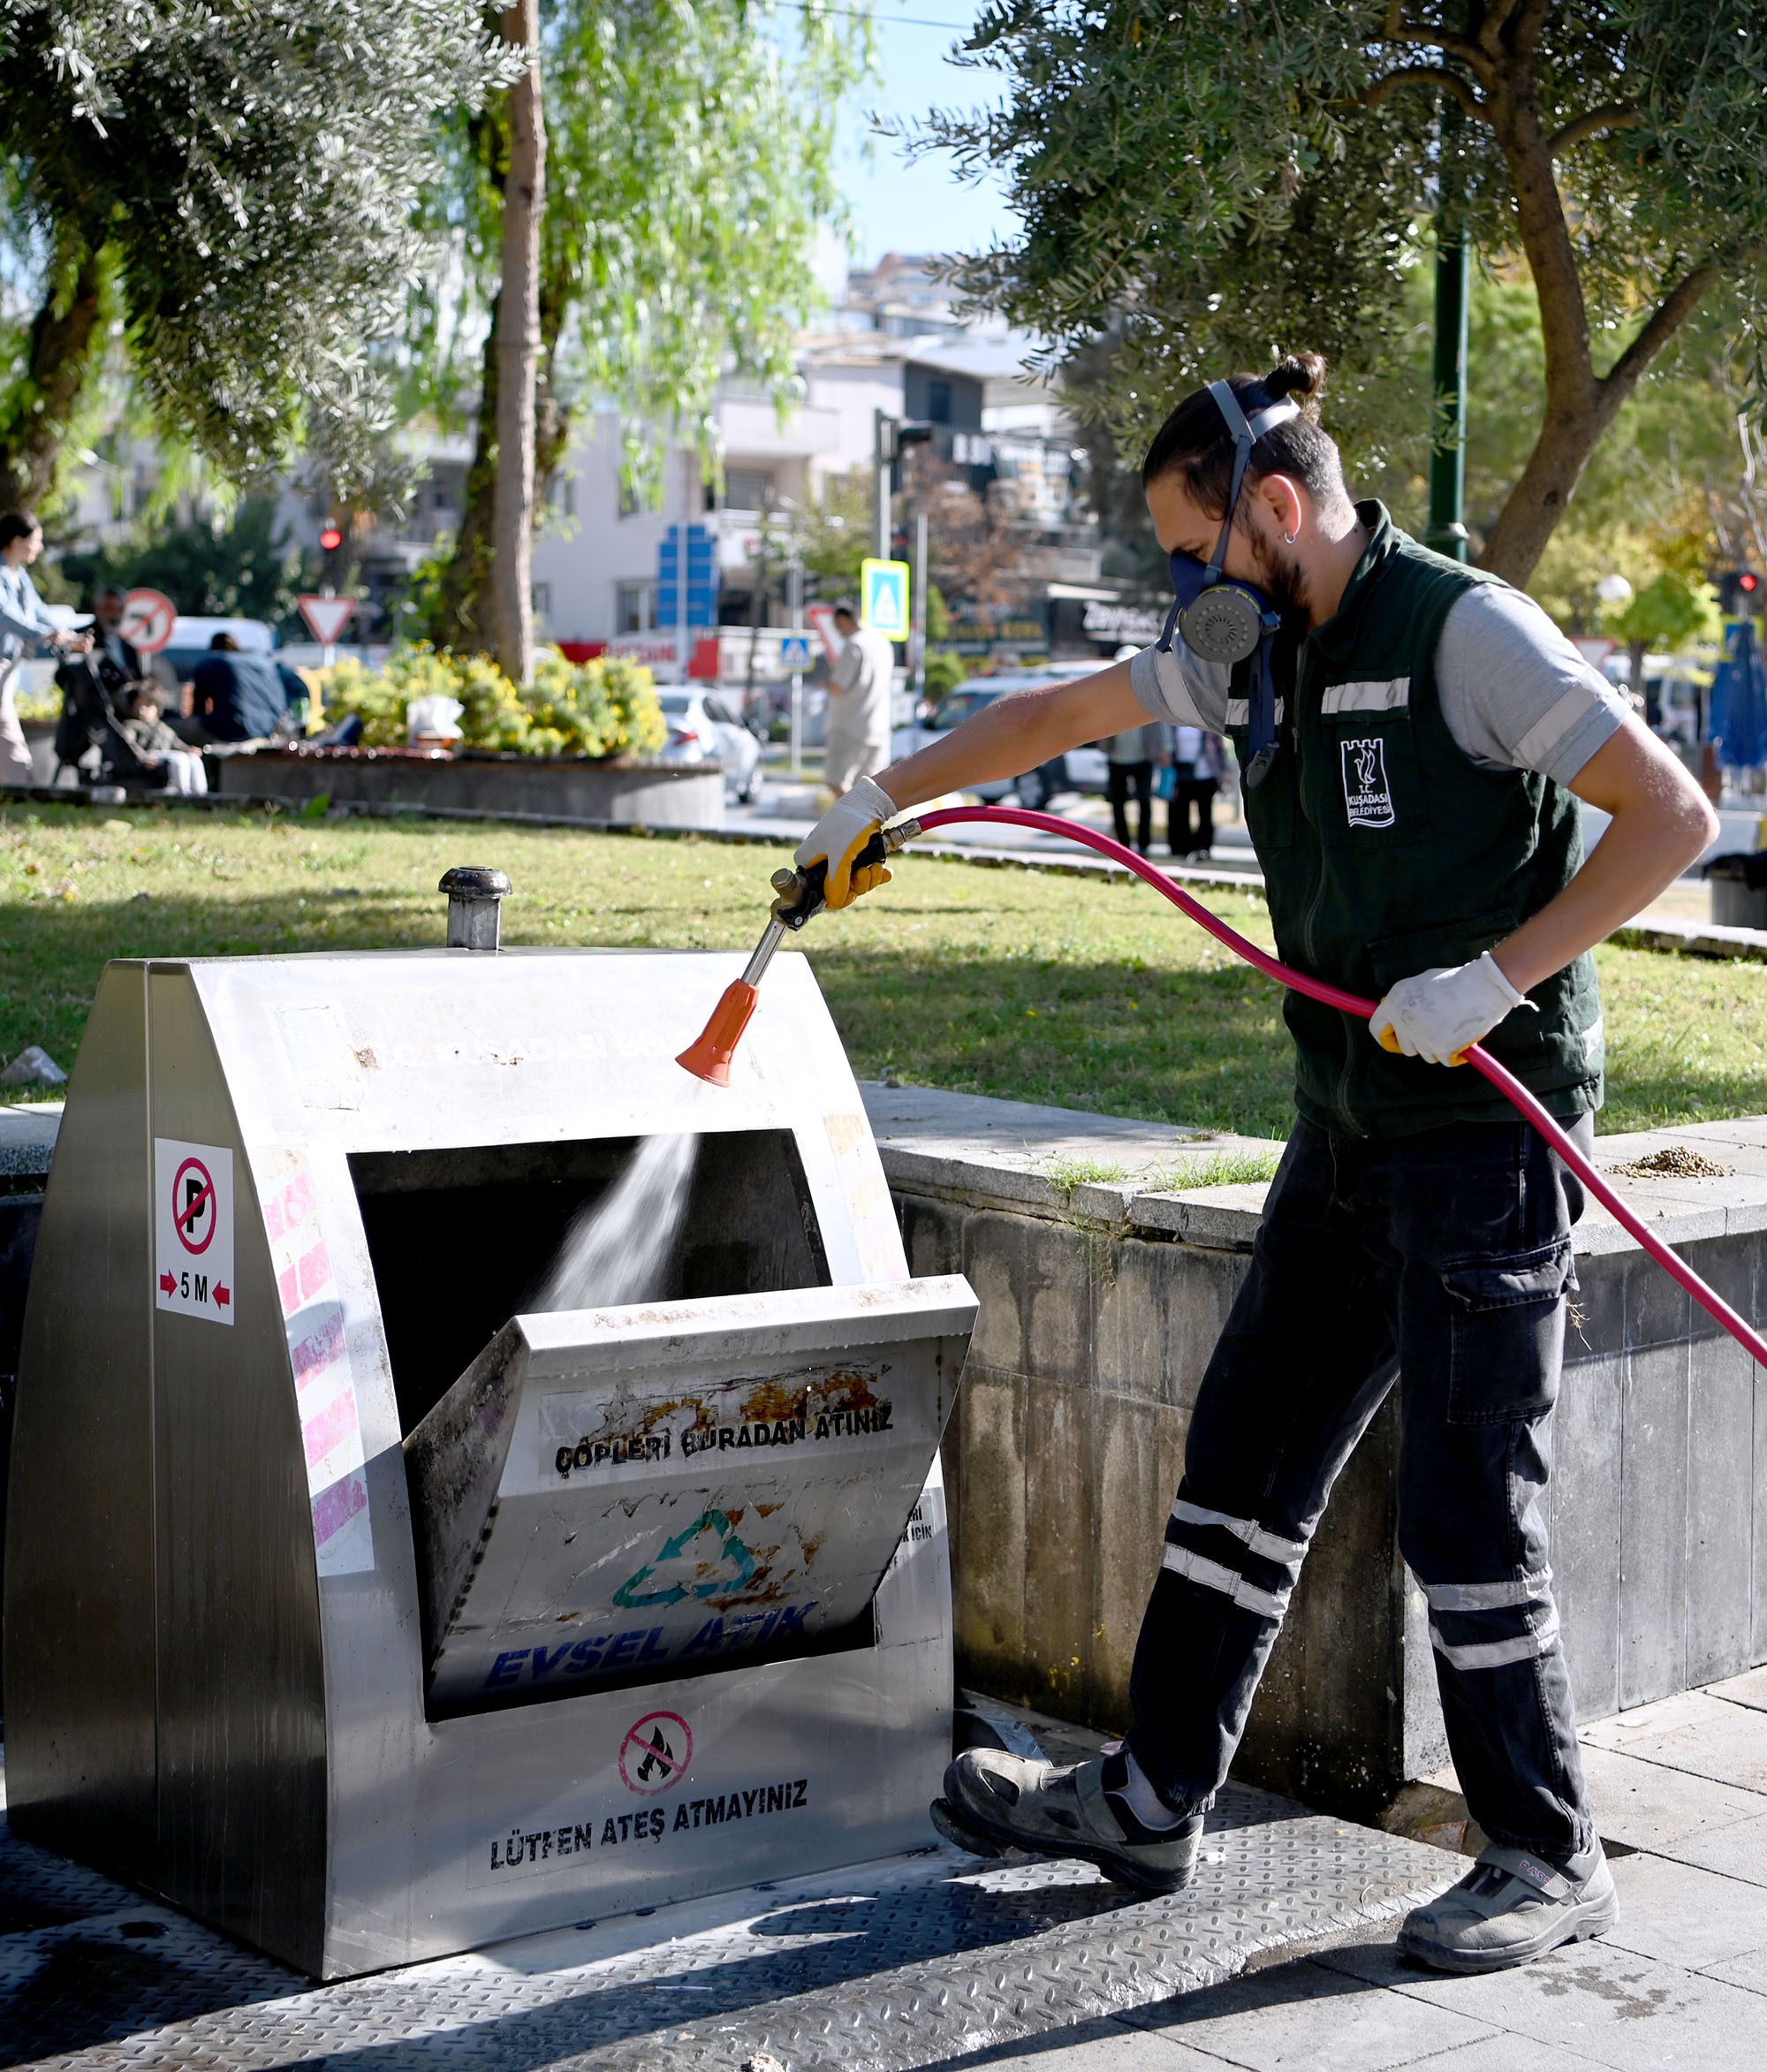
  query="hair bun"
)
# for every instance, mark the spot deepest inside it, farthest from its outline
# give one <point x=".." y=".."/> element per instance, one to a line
<point x="1299" y="375"/>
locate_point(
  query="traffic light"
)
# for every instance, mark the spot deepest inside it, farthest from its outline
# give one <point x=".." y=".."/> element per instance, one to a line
<point x="1741" y="592"/>
<point x="332" y="535"/>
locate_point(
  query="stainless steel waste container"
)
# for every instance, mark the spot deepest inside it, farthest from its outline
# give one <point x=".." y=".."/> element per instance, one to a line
<point x="368" y="1614"/>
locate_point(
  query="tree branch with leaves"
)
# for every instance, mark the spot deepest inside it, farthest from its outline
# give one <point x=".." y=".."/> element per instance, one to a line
<point x="234" y="182"/>
<point x="1215" y="182"/>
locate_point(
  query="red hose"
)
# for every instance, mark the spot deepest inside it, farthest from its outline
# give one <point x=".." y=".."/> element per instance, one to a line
<point x="1480" y="1060"/>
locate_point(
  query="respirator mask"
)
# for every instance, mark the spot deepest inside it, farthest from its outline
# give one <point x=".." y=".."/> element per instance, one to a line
<point x="1222" y="620"/>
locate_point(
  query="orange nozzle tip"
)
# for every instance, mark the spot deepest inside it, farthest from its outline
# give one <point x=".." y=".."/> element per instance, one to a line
<point x="708" y="1057"/>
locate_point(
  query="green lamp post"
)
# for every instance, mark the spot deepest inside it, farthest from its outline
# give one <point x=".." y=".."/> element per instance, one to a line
<point x="1447" y="531"/>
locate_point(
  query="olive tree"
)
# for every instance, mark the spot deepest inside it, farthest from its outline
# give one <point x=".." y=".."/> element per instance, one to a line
<point x="1210" y="182"/>
<point x="229" y="188"/>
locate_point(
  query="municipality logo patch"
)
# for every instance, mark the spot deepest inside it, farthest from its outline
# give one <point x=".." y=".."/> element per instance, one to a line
<point x="1368" y="798"/>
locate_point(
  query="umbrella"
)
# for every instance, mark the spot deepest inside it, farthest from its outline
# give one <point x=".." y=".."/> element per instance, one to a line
<point x="1737" y="722"/>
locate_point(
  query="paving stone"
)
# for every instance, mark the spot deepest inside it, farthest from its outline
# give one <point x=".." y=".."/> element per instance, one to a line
<point x="1648" y="1806"/>
<point x="1683" y="1915"/>
<point x="1510" y="2053"/>
<point x="1305" y="2017"/>
<point x="1702" y="1735"/>
<point x="1749" y="1971"/>
<point x="1737" y="1851"/>
<point x="1606" y="2005"/>
<point x="1093" y="2046"/>
<point x="1749" y="1688"/>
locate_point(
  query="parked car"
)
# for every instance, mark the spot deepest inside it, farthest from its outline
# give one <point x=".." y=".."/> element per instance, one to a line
<point x="1081" y="770"/>
<point x="707" y="725"/>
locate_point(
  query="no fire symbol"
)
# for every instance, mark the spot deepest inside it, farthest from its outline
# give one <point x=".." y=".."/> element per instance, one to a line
<point x="655" y="1752"/>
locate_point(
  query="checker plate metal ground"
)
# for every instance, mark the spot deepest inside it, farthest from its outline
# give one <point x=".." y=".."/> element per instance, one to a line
<point x="892" y="1965"/>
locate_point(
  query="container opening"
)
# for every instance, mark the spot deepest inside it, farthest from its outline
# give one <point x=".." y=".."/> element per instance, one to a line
<point x="459" y="1239"/>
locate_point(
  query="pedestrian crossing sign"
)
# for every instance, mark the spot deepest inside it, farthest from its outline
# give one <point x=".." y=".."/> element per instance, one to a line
<point x="885" y="597"/>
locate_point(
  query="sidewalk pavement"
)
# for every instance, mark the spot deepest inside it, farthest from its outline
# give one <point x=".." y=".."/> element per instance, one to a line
<point x="1680" y="1793"/>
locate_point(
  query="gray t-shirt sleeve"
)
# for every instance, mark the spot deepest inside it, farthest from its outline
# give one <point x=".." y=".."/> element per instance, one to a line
<point x="1516" y="694"/>
<point x="1179" y="687"/>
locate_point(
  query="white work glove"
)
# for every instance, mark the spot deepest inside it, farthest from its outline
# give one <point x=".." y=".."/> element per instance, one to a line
<point x="1441" y="1013"/>
<point x="838" y="836"/>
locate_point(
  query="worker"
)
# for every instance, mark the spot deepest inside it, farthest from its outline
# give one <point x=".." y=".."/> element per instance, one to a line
<point x="1414" y="737"/>
<point x="859" y="702"/>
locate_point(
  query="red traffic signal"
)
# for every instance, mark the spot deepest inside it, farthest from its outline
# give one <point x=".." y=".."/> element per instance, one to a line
<point x="331" y="538"/>
<point x="1741" y="592"/>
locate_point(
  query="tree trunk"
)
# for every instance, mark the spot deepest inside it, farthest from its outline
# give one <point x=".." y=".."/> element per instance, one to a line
<point x="1542" y="493"/>
<point x="552" y="415"/>
<point x="1575" y="424"/>
<point x="34" y="433"/>
<point x="458" y="616"/>
<point x="1636" y="651"/>
<point x="1580" y="404"/>
<point x="518" y="354"/>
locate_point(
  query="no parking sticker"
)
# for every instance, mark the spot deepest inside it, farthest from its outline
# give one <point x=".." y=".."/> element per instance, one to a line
<point x="193" y="1229"/>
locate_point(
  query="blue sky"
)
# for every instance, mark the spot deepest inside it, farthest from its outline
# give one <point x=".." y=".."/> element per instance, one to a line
<point x="923" y="207"/>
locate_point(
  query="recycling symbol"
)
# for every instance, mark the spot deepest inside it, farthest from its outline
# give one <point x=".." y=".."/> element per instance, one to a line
<point x="704" y="1559"/>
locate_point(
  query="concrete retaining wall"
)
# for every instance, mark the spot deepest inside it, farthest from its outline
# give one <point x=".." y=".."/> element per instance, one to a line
<point x="645" y="793"/>
<point x="1101" y="1300"/>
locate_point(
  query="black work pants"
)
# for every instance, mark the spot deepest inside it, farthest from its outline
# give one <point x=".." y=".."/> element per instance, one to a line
<point x="1444" y="1256"/>
<point x="1122" y="780"/>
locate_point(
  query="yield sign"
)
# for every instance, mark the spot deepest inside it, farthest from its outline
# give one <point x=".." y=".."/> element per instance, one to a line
<point x="326" y="616"/>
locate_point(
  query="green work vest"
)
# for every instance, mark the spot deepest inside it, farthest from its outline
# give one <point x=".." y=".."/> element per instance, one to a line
<point x="1387" y="850"/>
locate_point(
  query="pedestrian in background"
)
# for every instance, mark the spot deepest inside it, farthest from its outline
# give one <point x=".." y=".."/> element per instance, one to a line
<point x="858" y="703"/>
<point x="239" y="697"/>
<point x="120" y="659"/>
<point x="24" y="623"/>
<point x="158" y="747"/>
<point x="1193" y="812"/>
<point x="1129" y="773"/>
<point x="1185" y="748"/>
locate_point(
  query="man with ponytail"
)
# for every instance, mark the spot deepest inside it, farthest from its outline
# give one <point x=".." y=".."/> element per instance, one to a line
<point x="1413" y="736"/>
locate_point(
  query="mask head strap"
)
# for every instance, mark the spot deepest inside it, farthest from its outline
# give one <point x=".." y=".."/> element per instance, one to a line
<point x="1246" y="433"/>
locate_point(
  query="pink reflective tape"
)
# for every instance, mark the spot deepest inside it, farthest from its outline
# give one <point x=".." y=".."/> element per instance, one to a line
<point x="333" y="1508"/>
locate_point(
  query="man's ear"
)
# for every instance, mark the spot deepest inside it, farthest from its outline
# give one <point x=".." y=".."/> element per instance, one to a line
<point x="1286" y="501"/>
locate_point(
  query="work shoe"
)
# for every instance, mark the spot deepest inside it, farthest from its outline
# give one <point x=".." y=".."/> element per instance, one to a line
<point x="1009" y="1804"/>
<point x="1508" y="1909"/>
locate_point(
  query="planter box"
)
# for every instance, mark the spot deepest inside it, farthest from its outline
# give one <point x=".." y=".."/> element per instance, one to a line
<point x="640" y="792"/>
<point x="1100" y="1306"/>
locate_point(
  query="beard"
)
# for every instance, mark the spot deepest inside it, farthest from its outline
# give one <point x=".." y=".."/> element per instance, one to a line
<point x="1280" y="577"/>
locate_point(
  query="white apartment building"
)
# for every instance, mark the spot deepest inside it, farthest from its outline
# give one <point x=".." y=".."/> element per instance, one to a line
<point x="600" y="575"/>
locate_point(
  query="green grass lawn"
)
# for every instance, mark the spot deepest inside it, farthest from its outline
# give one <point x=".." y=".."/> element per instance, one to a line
<point x="1023" y="983"/>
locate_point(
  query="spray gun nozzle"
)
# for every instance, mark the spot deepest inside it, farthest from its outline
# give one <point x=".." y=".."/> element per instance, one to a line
<point x="799" y="899"/>
<point x="708" y="1057"/>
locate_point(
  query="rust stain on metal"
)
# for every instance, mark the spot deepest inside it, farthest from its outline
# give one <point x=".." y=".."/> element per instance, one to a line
<point x="777" y="1399"/>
